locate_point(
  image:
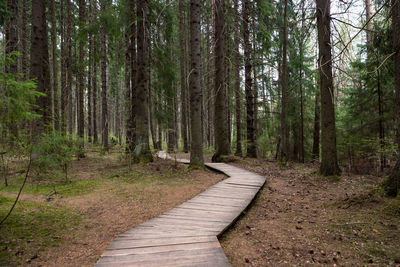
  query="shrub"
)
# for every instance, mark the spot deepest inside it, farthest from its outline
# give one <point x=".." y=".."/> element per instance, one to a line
<point x="53" y="151"/>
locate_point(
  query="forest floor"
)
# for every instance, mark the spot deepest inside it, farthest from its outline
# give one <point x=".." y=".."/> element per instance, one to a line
<point x="104" y="197"/>
<point x="302" y="219"/>
<point x="298" y="219"/>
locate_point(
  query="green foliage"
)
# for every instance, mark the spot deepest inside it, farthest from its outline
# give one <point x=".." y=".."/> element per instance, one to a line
<point x="17" y="96"/>
<point x="53" y="151"/>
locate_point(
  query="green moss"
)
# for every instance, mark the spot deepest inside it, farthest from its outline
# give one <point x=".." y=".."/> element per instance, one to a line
<point x="72" y="188"/>
<point x="31" y="228"/>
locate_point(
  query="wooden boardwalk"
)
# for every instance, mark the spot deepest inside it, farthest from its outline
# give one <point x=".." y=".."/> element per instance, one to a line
<point x="187" y="234"/>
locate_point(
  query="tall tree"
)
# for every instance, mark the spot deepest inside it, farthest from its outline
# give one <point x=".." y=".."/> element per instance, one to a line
<point x="221" y="131"/>
<point x="12" y="46"/>
<point x="68" y="68"/>
<point x="236" y="57"/>
<point x="81" y="76"/>
<point x="168" y="83"/>
<point x="392" y="184"/>
<point x="284" y="148"/>
<point x="196" y="146"/>
<point x="142" y="151"/>
<point x="90" y="78"/>
<point x="329" y="163"/>
<point x="131" y="134"/>
<point x="94" y="76"/>
<point x="56" y="97"/>
<point x="104" y="104"/>
<point x="182" y="47"/>
<point x="40" y="69"/>
<point x="251" y="144"/>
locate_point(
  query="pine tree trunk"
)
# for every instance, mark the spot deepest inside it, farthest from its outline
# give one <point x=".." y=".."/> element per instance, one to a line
<point x="64" y="93"/>
<point x="284" y="147"/>
<point x="221" y="131"/>
<point x="392" y="184"/>
<point x="142" y="153"/>
<point x="183" y="77"/>
<point x="11" y="45"/>
<point x="104" y="105"/>
<point x="169" y="90"/>
<point x="89" y="86"/>
<point x="81" y="78"/>
<point x="128" y="88"/>
<point x="131" y="143"/>
<point x="237" y="81"/>
<point x="24" y="39"/>
<point x="315" y="150"/>
<point x="94" y="78"/>
<point x="210" y="95"/>
<point x="251" y="147"/>
<point x="329" y="164"/>
<point x="68" y="67"/>
<point x="56" y="97"/>
<point x="40" y="69"/>
<point x="196" y="147"/>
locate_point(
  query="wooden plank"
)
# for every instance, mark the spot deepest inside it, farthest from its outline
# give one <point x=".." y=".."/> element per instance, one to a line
<point x="186" y="235"/>
<point x="162" y="255"/>
<point x="219" y="260"/>
<point x="129" y="248"/>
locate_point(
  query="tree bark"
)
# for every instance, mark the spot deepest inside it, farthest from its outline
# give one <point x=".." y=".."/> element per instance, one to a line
<point x="90" y="94"/>
<point x="104" y="106"/>
<point x="251" y="147"/>
<point x="284" y="147"/>
<point x="196" y="147"/>
<point x="221" y="131"/>
<point x="40" y="69"/>
<point x="24" y="39"/>
<point x="142" y="151"/>
<point x="56" y="102"/>
<point x="237" y="82"/>
<point x="131" y="144"/>
<point x="392" y="184"/>
<point x="183" y="77"/>
<point x="68" y="68"/>
<point x="64" y="95"/>
<point x="81" y="78"/>
<point x="329" y="164"/>
<point x="94" y="78"/>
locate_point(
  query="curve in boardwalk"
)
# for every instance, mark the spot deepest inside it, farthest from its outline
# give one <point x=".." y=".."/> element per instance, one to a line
<point x="187" y="234"/>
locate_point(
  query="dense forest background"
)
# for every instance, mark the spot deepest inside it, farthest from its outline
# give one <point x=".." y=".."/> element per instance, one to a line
<point x="291" y="80"/>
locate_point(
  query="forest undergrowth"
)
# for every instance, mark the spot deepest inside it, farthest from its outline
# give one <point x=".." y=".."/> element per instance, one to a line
<point x="70" y="223"/>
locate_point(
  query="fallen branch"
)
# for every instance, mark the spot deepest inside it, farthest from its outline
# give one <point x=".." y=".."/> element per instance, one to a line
<point x="20" y="190"/>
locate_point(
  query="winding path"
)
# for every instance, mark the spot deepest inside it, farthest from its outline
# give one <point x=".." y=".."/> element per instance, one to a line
<point x="187" y="234"/>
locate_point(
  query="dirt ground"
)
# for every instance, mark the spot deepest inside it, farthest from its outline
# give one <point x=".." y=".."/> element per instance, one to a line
<point x="297" y="219"/>
<point x="112" y="207"/>
<point x="302" y="219"/>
